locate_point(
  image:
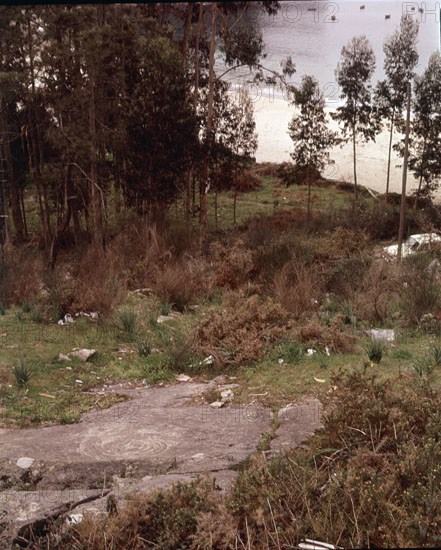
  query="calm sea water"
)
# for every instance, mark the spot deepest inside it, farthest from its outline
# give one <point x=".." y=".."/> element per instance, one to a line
<point x="314" y="32"/>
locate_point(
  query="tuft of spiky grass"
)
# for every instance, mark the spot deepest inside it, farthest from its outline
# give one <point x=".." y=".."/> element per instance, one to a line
<point x="423" y="366"/>
<point x="144" y="347"/>
<point x="375" y="350"/>
<point x="435" y="352"/>
<point x="22" y="373"/>
<point x="127" y="320"/>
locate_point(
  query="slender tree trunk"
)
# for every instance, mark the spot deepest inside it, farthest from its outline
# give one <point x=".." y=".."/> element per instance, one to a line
<point x="354" y="151"/>
<point x="187" y="30"/>
<point x="235" y="193"/>
<point x="420" y="183"/>
<point x="389" y="154"/>
<point x="205" y="179"/>
<point x="14" y="196"/>
<point x="3" y="210"/>
<point x="309" y="194"/>
<point x="95" y="199"/>
<point x="403" y="190"/>
<point x="189" y="183"/>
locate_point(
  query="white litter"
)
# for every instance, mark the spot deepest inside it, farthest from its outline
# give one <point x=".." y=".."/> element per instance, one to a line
<point x="311" y="351"/>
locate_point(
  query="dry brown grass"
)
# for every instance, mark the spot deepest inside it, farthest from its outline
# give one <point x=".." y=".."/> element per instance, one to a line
<point x="181" y="283"/>
<point x="21" y="275"/>
<point x="317" y="336"/>
<point x="297" y="288"/>
<point x="100" y="280"/>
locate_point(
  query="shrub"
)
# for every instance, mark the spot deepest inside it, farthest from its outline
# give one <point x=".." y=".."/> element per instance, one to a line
<point x="22" y="373"/>
<point x="421" y="291"/>
<point x="177" y="348"/>
<point x="243" y="331"/>
<point x="235" y="265"/>
<point x="314" y="335"/>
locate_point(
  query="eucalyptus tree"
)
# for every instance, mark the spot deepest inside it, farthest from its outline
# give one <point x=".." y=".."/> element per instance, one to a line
<point x="310" y="132"/>
<point x="353" y="74"/>
<point x="425" y="151"/>
<point x="400" y="60"/>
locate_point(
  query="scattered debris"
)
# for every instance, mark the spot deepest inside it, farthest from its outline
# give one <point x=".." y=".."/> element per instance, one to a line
<point x="183" y="378"/>
<point x="280" y="361"/>
<point x="309" y="544"/>
<point x="381" y="334"/>
<point x="48" y="395"/>
<point x="92" y="315"/>
<point x="25" y="462"/>
<point x="321" y="380"/>
<point x="66" y="320"/>
<point x="79" y="381"/>
<point x="75" y="518"/>
<point x="217" y="404"/>
<point x="311" y="351"/>
<point x="415" y="243"/>
<point x="64" y="357"/>
<point x="328" y="353"/>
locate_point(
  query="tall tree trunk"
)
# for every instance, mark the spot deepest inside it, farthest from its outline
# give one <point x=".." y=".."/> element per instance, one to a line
<point x="235" y="193"/>
<point x="390" y="151"/>
<point x="187" y="30"/>
<point x="95" y="199"/>
<point x="189" y="183"/>
<point x="205" y="179"/>
<point x="3" y="215"/>
<point x="14" y="196"/>
<point x="354" y="153"/>
<point x="309" y="193"/>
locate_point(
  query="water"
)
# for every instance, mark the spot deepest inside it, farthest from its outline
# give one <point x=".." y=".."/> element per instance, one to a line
<point x="314" y="41"/>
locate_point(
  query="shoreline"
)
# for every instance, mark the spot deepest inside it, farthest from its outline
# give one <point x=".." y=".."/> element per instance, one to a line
<point x="272" y="116"/>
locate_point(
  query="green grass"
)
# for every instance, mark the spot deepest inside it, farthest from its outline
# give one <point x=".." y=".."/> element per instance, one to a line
<point x="52" y="394"/>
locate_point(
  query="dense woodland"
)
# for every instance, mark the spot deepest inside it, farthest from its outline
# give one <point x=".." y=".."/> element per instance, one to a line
<point x="118" y="107"/>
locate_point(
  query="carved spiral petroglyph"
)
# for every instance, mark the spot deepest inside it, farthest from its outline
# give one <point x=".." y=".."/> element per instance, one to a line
<point x="108" y="444"/>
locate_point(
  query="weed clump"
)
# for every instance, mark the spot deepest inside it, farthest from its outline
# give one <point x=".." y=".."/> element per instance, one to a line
<point x="22" y="373"/>
<point x="375" y="350"/>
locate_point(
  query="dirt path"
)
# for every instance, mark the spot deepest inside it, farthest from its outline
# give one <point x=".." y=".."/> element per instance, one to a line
<point x="158" y="437"/>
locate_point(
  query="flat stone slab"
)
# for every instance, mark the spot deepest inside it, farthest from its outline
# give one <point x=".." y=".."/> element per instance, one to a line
<point x="159" y="437"/>
<point x="158" y="428"/>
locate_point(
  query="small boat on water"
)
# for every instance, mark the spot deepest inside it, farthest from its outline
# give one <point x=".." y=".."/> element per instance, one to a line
<point x="387" y="16"/>
<point x="362" y="7"/>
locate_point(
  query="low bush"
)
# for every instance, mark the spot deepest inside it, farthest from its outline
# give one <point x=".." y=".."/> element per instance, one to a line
<point x="243" y="331"/>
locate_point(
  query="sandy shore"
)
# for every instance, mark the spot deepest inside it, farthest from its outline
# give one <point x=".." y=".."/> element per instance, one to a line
<point x="272" y="118"/>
